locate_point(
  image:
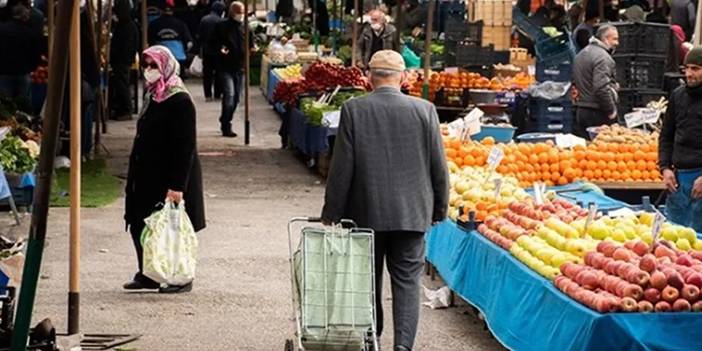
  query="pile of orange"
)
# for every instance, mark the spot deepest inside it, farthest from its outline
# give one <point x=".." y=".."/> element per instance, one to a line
<point x="467" y="80"/>
<point x="544" y="162"/>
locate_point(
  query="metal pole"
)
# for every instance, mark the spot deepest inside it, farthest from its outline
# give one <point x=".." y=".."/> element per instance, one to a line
<point x="247" y="73"/>
<point x="50" y="19"/>
<point x="74" y="245"/>
<point x="45" y="167"/>
<point x="354" y="35"/>
<point x="427" y="49"/>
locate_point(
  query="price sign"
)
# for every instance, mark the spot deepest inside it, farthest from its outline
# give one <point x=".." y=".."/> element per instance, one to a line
<point x="640" y="117"/>
<point x="472" y="121"/>
<point x="331" y="119"/>
<point x="456" y="128"/>
<point x="569" y="140"/>
<point x="538" y="194"/>
<point x="498" y="187"/>
<point x="451" y="70"/>
<point x="591" y="213"/>
<point x="657" y="224"/>
<point x="495" y="157"/>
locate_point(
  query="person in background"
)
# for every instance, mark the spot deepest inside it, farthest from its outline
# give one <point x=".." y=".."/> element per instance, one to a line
<point x="681" y="47"/>
<point x="377" y="35"/>
<point x="123" y="49"/>
<point x="172" y="33"/>
<point x="584" y="31"/>
<point x="398" y="192"/>
<point x="683" y="13"/>
<point x="163" y="163"/>
<point x="209" y="53"/>
<point x="634" y="14"/>
<point x="20" y="51"/>
<point x="680" y="147"/>
<point x="228" y="39"/>
<point x="594" y="77"/>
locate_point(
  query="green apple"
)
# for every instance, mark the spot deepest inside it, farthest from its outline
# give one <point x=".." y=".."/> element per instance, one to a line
<point x="558" y="259"/>
<point x="687" y="233"/>
<point x="670" y="234"/>
<point x="599" y="230"/>
<point x="647" y="237"/>
<point x="647" y="218"/>
<point x="619" y="235"/>
<point x="683" y="244"/>
<point x="630" y="232"/>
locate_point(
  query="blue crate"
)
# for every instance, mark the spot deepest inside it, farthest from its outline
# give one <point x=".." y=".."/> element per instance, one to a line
<point x="500" y="134"/>
<point x="525" y="25"/>
<point x="558" y="72"/>
<point x="553" y="46"/>
<point x="553" y="116"/>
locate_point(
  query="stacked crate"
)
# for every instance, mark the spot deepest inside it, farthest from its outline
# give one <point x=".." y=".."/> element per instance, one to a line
<point x="497" y="18"/>
<point x="642" y="60"/>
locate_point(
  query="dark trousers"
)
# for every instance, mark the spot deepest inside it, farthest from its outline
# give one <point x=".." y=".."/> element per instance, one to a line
<point x="209" y="77"/>
<point x="135" y="230"/>
<point x="404" y="254"/>
<point x="231" y="93"/>
<point x="120" y="96"/>
<point x="588" y="117"/>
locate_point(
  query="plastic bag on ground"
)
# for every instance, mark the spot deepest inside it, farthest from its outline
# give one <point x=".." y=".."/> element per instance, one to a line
<point x="170" y="246"/>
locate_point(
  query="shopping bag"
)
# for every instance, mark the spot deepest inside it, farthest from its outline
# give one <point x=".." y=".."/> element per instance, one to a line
<point x="196" y="66"/>
<point x="170" y="245"/>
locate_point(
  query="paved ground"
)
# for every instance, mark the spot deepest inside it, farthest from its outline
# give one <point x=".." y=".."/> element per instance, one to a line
<point x="241" y="299"/>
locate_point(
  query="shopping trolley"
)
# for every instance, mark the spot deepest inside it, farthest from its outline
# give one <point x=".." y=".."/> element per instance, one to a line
<point x="333" y="287"/>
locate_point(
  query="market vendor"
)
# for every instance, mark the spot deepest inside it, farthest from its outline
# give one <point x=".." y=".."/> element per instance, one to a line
<point x="377" y="35"/>
<point x="680" y="147"/>
<point x="594" y="78"/>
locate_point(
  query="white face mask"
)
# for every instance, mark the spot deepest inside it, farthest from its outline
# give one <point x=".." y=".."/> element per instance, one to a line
<point x="239" y="18"/>
<point x="376" y="27"/>
<point x="151" y="75"/>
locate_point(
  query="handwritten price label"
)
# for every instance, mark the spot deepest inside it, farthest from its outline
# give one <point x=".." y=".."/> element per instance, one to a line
<point x="657" y="225"/>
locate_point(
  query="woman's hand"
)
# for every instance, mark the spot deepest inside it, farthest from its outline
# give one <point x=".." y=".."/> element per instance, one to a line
<point x="174" y="196"/>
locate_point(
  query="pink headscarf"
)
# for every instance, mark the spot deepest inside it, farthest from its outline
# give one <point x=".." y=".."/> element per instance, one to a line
<point x="680" y="36"/>
<point x="170" y="83"/>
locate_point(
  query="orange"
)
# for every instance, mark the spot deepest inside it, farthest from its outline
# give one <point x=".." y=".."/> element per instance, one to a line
<point x="458" y="162"/>
<point x="475" y="152"/>
<point x="582" y="164"/>
<point x="641" y="165"/>
<point x="579" y="148"/>
<point x="456" y="144"/>
<point x="545" y="175"/>
<point x="569" y="173"/>
<point x="451" y="153"/>
<point x="588" y="174"/>
<point x="481" y="206"/>
<point x="651" y="166"/>
<point x="639" y="155"/>
<point x="612" y="166"/>
<point x="462" y="152"/>
<point x="580" y="155"/>
<point x="621" y="166"/>
<point x="480" y="160"/>
<point x="549" y="183"/>
<point x="480" y="215"/>
<point x="628" y="156"/>
<point x="591" y="165"/>
<point x="636" y="174"/>
<point x="533" y="158"/>
<point x="543" y="157"/>
<point x="612" y="147"/>
<point x="555" y="176"/>
<point x="565" y="165"/>
<point x="578" y="173"/>
<point x="555" y="167"/>
<point x="619" y="157"/>
<point x="598" y="173"/>
<point x="553" y="156"/>
<point x="469" y="160"/>
<point x="563" y="181"/>
<point x="607" y="157"/>
<point x="615" y="176"/>
<point x="607" y="173"/>
<point x="652" y="156"/>
<point x="489" y="141"/>
<point x="502" y="169"/>
<point x="601" y="164"/>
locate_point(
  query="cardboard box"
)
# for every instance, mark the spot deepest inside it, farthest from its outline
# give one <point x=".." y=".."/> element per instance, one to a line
<point x="499" y="36"/>
<point x="491" y="12"/>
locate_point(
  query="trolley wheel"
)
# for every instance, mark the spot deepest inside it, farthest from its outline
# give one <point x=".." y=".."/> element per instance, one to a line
<point x="289" y="345"/>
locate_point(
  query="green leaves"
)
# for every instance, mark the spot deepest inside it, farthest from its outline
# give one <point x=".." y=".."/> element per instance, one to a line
<point x="15" y="157"/>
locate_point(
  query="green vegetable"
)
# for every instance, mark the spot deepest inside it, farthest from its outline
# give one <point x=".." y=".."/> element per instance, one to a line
<point x="315" y="110"/>
<point x="15" y="156"/>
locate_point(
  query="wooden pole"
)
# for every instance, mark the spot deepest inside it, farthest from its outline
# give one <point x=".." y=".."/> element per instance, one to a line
<point x="44" y="171"/>
<point x="354" y="34"/>
<point x="50" y="19"/>
<point x="247" y="74"/>
<point x="144" y="27"/>
<point x="427" y="49"/>
<point x="102" y="103"/>
<point x="74" y="247"/>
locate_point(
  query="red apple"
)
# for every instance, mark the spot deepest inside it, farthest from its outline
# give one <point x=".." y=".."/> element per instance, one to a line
<point x="613" y="267"/>
<point x="658" y="280"/>
<point x="634" y="291"/>
<point x="588" y="280"/>
<point x="663" y="251"/>
<point x="641" y="278"/>
<point x="670" y="294"/>
<point x="641" y="248"/>
<point x="690" y="293"/>
<point x="629" y="305"/>
<point x="684" y="260"/>
<point x="681" y="305"/>
<point x="662" y="306"/>
<point x="652" y="295"/>
<point x="621" y="254"/>
<point x="645" y="306"/>
<point x="697" y="306"/>
<point x="648" y="263"/>
<point x="696" y="255"/>
<point x="695" y="279"/>
<point x="607" y="248"/>
<point x="675" y="279"/>
<point x="629" y="245"/>
<point x="665" y="260"/>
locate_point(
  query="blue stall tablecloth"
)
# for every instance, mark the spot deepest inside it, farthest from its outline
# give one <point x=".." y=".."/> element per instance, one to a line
<point x="573" y="193"/>
<point x="527" y="312"/>
<point x="310" y="140"/>
<point x="273" y="80"/>
<point x="26" y="180"/>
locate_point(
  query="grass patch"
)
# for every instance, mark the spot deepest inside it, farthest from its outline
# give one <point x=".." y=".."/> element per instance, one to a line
<point x="99" y="187"/>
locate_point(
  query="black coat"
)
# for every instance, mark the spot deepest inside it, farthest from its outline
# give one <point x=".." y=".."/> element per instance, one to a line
<point x="164" y="156"/>
<point x="125" y="36"/>
<point x="230" y="34"/>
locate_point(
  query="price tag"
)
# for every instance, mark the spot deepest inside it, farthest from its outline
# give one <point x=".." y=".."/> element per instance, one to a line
<point x="472" y="121"/>
<point x="633" y="119"/>
<point x="538" y="194"/>
<point x="451" y="70"/>
<point x="495" y="157"/>
<point x="498" y="187"/>
<point x="456" y="128"/>
<point x="591" y="213"/>
<point x="331" y="119"/>
<point x="569" y="140"/>
<point x="657" y="224"/>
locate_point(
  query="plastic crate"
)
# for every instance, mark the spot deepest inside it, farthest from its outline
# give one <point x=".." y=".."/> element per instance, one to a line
<point x="550" y="115"/>
<point x="24" y="197"/>
<point x="552" y="46"/>
<point x="631" y="98"/>
<point x="643" y="38"/>
<point x="501" y="134"/>
<point x="558" y="72"/>
<point x="640" y="71"/>
<point x="525" y="25"/>
<point x="460" y="30"/>
<point x="470" y="55"/>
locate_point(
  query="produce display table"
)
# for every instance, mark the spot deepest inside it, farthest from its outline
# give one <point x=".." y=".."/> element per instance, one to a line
<point x="308" y="139"/>
<point x="526" y="312"/>
<point x="631" y="192"/>
<point x="273" y="80"/>
<point x="578" y="191"/>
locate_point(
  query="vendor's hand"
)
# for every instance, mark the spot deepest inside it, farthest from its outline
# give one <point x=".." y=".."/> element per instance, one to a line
<point x="174" y="196"/>
<point x="224" y="50"/>
<point x="669" y="180"/>
<point x="613" y="115"/>
<point x="697" y="188"/>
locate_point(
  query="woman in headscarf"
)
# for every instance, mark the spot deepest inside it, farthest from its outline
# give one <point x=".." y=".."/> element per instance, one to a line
<point x="164" y="164"/>
<point x="680" y="48"/>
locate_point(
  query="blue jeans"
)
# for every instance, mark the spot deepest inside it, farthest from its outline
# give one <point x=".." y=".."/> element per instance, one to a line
<point x="231" y="83"/>
<point x="15" y="85"/>
<point x="680" y="207"/>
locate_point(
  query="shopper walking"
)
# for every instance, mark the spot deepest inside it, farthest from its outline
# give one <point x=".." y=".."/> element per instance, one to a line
<point x="389" y="173"/>
<point x="164" y="163"/>
<point x="123" y="49"/>
<point x="594" y="78"/>
<point x="208" y="52"/>
<point x="680" y="147"/>
<point x="377" y="35"/>
<point x="172" y="33"/>
<point x="228" y="40"/>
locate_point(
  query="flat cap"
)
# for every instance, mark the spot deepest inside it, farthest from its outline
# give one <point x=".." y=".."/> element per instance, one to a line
<point x="387" y="59"/>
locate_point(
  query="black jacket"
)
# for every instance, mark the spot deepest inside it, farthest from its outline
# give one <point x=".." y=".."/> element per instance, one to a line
<point x="168" y="27"/>
<point x="125" y="36"/>
<point x="164" y="156"/>
<point x="207" y="26"/>
<point x="230" y="34"/>
<point x="20" y="47"/>
<point x="680" y="142"/>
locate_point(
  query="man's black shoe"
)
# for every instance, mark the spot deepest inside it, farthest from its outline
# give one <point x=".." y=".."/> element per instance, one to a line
<point x="140" y="282"/>
<point x="175" y="289"/>
<point x="228" y="134"/>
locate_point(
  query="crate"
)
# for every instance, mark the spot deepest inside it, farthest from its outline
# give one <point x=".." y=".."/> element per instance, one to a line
<point x="640" y="71"/>
<point x="499" y="36"/>
<point x="492" y="12"/>
<point x="631" y="98"/>
<point x="554" y="46"/>
<point x="558" y="69"/>
<point x="644" y="38"/>
<point x="525" y="25"/>
<point x="470" y="55"/>
<point x="552" y="116"/>
<point x="460" y="30"/>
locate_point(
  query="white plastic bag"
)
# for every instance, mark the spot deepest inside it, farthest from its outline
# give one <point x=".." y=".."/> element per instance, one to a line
<point x="170" y="246"/>
<point x="196" y="67"/>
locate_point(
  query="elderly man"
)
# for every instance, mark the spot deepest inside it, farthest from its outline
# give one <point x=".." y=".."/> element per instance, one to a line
<point x="680" y="147"/>
<point x="594" y="77"/>
<point x="376" y="35"/>
<point x="389" y="173"/>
